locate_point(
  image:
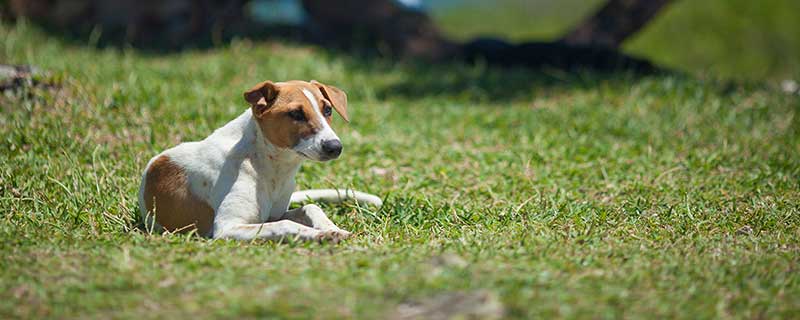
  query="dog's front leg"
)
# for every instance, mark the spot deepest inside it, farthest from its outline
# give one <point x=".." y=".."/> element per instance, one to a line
<point x="312" y="215"/>
<point x="237" y="211"/>
<point x="277" y="231"/>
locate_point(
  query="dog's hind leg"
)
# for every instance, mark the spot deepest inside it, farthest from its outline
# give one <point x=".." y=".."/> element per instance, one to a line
<point x="335" y="195"/>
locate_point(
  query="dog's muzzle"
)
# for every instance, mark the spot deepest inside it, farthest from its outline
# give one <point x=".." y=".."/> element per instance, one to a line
<point x="331" y="149"/>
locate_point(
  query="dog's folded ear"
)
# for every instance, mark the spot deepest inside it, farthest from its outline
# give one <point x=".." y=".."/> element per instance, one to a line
<point x="336" y="96"/>
<point x="261" y="97"/>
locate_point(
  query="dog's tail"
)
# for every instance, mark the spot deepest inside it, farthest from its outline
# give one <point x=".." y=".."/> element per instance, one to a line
<point x="335" y="195"/>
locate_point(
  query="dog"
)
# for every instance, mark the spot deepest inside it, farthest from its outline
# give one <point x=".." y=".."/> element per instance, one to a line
<point x="238" y="182"/>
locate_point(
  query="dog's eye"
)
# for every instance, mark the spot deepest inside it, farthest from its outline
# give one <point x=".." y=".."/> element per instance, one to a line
<point x="326" y="111"/>
<point x="297" y="115"/>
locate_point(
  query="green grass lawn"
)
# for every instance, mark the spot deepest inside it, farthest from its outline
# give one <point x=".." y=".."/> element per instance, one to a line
<point x="740" y="39"/>
<point x="559" y="195"/>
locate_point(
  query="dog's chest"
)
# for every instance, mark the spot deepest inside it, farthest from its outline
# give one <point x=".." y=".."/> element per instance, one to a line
<point x="274" y="187"/>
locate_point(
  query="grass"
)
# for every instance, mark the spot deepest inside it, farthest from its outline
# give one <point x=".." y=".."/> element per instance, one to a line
<point x="738" y="39"/>
<point x="562" y="195"/>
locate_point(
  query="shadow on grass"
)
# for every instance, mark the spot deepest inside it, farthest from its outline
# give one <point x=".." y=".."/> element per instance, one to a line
<point x="502" y="75"/>
<point x="481" y="82"/>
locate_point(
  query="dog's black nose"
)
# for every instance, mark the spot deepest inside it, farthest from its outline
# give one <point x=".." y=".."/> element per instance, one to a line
<point x="332" y="148"/>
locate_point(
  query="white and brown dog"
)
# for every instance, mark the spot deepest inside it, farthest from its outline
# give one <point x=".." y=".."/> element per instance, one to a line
<point x="238" y="182"/>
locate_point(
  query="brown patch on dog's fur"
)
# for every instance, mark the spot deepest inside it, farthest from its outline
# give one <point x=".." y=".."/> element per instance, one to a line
<point x="336" y="97"/>
<point x="272" y="102"/>
<point x="167" y="196"/>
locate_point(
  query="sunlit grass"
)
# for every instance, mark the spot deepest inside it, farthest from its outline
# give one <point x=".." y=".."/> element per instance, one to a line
<point x="565" y="195"/>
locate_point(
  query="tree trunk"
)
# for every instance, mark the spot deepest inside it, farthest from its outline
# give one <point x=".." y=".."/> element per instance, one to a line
<point x="148" y="23"/>
<point x="614" y="22"/>
<point x="404" y="31"/>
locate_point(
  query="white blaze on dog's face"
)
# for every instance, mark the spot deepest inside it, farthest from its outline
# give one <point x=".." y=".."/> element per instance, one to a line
<point x="297" y="115"/>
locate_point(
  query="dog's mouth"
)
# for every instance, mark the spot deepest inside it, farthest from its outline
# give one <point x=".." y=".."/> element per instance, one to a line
<point x="319" y="158"/>
<point x="303" y="154"/>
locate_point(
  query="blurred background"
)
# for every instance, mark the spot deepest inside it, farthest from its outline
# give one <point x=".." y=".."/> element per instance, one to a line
<point x="734" y="39"/>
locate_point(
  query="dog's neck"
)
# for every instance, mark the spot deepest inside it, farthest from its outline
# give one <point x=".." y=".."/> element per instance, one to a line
<point x="280" y="162"/>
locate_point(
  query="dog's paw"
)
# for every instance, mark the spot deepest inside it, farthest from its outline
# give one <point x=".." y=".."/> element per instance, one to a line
<point x="333" y="236"/>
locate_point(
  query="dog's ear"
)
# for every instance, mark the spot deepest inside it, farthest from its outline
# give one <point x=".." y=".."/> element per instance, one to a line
<point x="261" y="97"/>
<point x="336" y="96"/>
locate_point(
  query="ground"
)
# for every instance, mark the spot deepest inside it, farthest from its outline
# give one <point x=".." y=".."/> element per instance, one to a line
<point x="532" y="193"/>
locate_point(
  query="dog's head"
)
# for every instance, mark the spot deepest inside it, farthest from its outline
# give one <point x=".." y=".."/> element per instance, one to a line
<point x="296" y="115"/>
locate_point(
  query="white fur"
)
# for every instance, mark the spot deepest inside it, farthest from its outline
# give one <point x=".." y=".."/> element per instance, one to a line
<point x="335" y="195"/>
<point x="249" y="183"/>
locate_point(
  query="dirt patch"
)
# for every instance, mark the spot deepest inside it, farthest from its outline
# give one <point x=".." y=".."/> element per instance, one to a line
<point x="479" y="304"/>
<point x="18" y="77"/>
